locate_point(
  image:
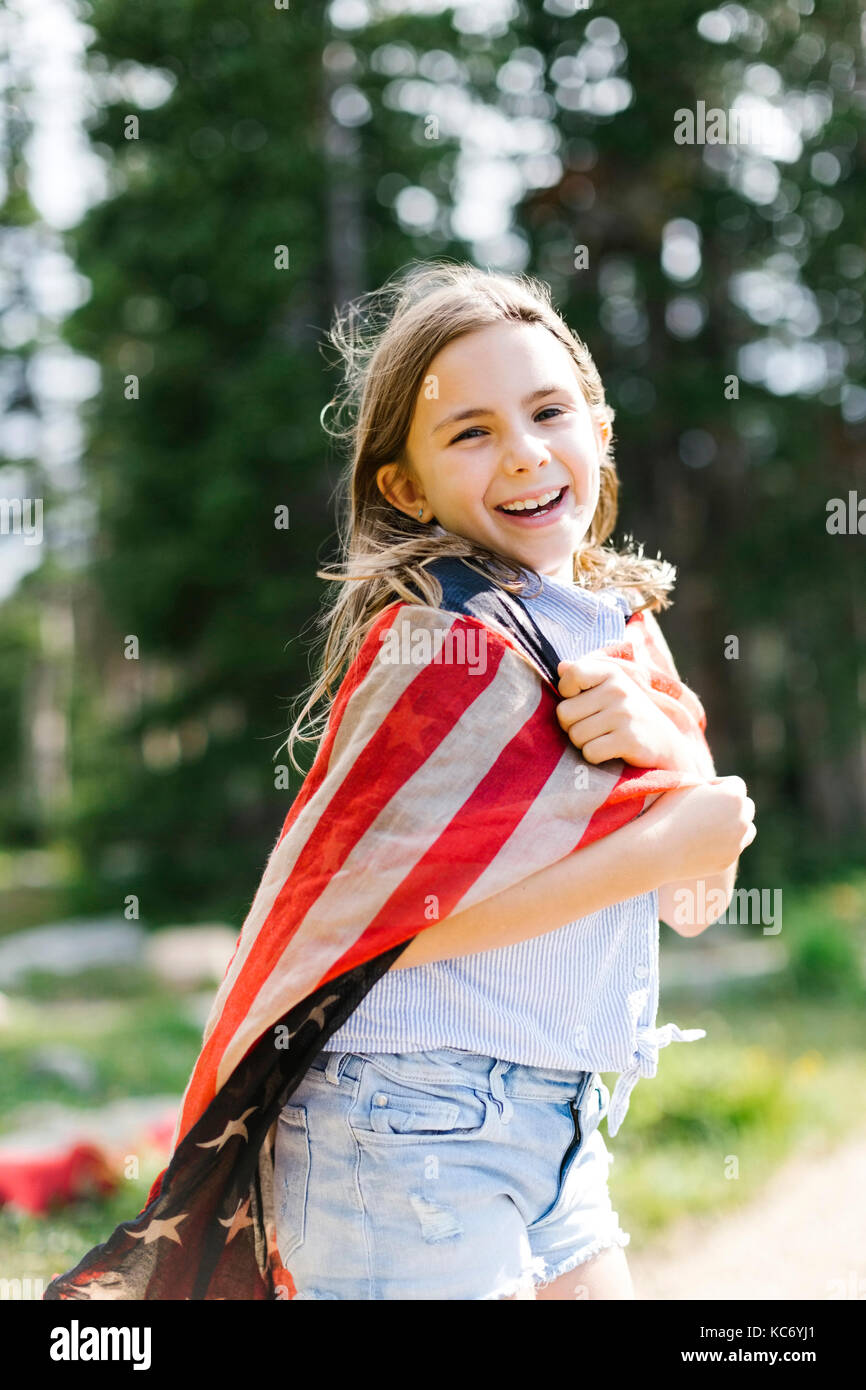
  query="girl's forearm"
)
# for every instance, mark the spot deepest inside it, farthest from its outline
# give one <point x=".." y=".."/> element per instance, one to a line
<point x="690" y="905"/>
<point x="624" y="864"/>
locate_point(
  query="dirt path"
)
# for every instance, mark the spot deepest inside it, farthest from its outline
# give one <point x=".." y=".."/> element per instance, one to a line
<point x="804" y="1237"/>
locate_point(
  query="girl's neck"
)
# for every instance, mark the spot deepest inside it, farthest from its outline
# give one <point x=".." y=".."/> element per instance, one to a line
<point x="565" y="581"/>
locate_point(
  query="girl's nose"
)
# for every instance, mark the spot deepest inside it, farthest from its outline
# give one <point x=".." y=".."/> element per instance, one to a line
<point x="524" y="451"/>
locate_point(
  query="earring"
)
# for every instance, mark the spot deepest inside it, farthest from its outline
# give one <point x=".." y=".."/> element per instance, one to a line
<point x="421" y="511"/>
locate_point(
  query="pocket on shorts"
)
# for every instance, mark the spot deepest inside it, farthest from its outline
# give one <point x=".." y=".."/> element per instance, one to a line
<point x="407" y="1111"/>
<point x="593" y="1107"/>
<point x="291" y="1178"/>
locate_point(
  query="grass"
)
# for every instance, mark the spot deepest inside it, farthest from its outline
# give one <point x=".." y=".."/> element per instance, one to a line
<point x="711" y="1128"/>
<point x="36" y="1248"/>
<point x="138" y="1046"/>
<point x="780" y="1071"/>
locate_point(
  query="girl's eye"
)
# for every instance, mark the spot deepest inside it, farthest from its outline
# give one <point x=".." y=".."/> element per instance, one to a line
<point x="474" y="428"/>
<point x="464" y="435"/>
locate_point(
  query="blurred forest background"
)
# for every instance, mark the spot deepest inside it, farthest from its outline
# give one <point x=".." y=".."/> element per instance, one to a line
<point x="361" y="137"/>
<point x="162" y="371"/>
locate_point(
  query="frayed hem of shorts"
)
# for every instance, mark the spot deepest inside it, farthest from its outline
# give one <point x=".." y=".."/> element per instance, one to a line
<point x="523" y="1282"/>
<point x="620" y="1238"/>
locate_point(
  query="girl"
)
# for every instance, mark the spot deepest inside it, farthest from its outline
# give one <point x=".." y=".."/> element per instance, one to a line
<point x="445" y="1143"/>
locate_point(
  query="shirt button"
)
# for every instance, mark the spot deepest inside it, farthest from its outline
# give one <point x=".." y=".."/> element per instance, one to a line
<point x="641" y="971"/>
<point x="380" y="1099"/>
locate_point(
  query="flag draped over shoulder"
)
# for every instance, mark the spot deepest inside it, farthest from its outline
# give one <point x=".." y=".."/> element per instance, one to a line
<point x="443" y="778"/>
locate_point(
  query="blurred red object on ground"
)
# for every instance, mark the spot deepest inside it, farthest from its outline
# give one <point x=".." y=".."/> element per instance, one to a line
<point x="38" y="1181"/>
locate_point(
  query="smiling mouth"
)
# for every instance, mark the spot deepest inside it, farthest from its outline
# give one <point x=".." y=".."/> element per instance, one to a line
<point x="529" y="515"/>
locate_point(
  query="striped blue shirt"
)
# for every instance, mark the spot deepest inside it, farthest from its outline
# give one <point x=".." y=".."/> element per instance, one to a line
<point x="581" y="998"/>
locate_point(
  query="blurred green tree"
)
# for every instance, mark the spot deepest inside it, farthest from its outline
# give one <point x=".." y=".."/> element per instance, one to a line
<point x="26" y="791"/>
<point x="252" y="189"/>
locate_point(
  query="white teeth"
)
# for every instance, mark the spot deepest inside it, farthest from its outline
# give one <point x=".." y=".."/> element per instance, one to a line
<point x="533" y="503"/>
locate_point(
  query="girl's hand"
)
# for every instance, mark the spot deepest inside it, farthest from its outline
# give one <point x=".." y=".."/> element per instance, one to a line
<point x="606" y="714"/>
<point x="702" y="830"/>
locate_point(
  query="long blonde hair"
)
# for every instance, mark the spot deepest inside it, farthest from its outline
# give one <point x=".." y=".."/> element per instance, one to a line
<point x="386" y="339"/>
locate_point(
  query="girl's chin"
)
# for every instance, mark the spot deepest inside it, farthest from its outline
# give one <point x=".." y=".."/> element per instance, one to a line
<point x="550" y="560"/>
<point x="537" y="548"/>
<point x="538" y="541"/>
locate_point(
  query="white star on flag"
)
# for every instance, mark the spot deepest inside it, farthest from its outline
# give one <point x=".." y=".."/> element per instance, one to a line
<point x="164" y="1227"/>
<point x="233" y="1127"/>
<point x="237" y="1222"/>
<point x="317" y="1015"/>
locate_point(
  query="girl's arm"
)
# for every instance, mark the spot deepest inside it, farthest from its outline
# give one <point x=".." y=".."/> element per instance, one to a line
<point x="606" y="717"/>
<point x="686" y="834"/>
<point x="691" y="905"/>
<point x="624" y="864"/>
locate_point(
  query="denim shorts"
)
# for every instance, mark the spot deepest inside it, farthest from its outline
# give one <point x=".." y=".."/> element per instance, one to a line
<point x="439" y="1175"/>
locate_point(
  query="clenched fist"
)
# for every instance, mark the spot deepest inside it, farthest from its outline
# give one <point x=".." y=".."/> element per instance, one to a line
<point x="606" y="714"/>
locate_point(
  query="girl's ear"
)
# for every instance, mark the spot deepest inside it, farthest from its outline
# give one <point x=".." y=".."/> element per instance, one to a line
<point x="398" y="488"/>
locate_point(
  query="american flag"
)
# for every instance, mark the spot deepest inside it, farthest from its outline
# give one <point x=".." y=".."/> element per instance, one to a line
<point x="443" y="777"/>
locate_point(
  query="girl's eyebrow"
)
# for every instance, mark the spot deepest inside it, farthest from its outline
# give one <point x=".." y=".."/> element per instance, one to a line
<point x="485" y="410"/>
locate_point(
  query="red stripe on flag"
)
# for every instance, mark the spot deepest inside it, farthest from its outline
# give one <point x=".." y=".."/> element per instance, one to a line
<point x="445" y="872"/>
<point x="634" y="785"/>
<point x="354" y="677"/>
<point x="317" y="773"/>
<point x="429" y="707"/>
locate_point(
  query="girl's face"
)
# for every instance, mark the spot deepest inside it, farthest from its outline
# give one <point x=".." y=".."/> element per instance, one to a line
<point x="501" y="418"/>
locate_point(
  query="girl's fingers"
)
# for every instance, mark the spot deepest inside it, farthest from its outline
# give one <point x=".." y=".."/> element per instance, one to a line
<point x="595" y="726"/>
<point x="600" y="750"/>
<point x="579" y="707"/>
<point x="581" y="675"/>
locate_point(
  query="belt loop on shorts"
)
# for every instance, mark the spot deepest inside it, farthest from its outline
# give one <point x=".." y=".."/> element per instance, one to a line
<point x="497" y="1090"/>
<point x="333" y="1070"/>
